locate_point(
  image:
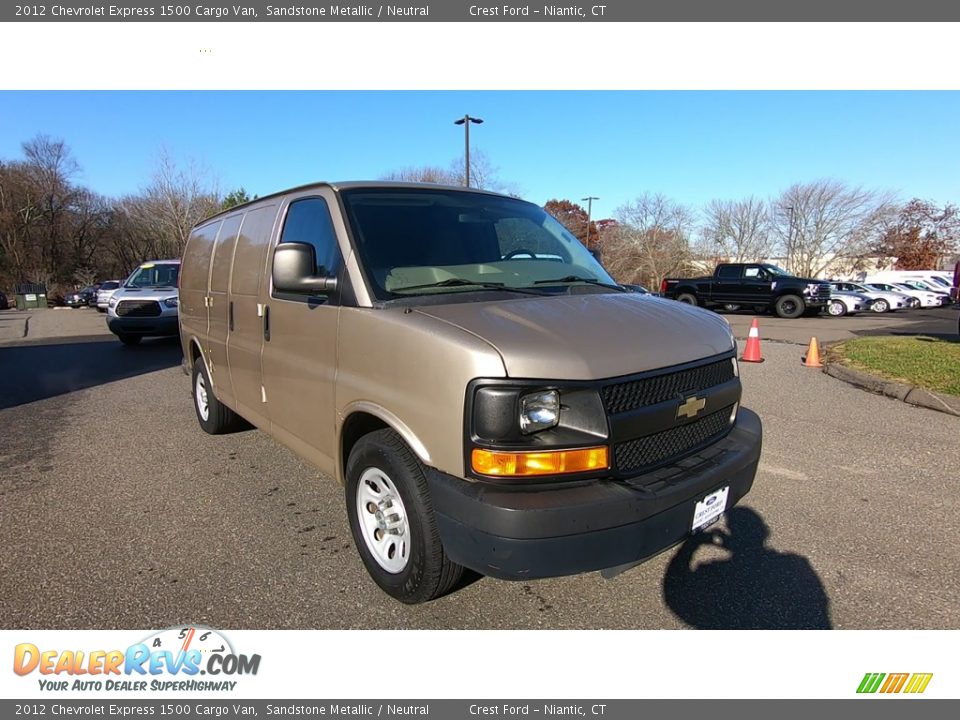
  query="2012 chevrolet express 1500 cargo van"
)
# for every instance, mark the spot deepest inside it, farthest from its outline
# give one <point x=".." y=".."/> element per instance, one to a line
<point x="489" y="397"/>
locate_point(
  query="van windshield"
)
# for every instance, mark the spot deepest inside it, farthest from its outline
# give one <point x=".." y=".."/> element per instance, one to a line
<point x="154" y="275"/>
<point x="423" y="241"/>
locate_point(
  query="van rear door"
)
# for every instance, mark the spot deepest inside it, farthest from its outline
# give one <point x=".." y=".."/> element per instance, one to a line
<point x="194" y="283"/>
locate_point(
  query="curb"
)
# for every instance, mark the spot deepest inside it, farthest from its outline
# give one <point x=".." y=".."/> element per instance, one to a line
<point x="898" y="391"/>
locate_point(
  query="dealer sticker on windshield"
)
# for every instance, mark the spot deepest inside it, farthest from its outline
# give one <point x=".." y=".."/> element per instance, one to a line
<point x="710" y="508"/>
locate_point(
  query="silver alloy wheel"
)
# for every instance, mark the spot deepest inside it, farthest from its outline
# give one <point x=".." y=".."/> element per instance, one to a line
<point x="880" y="306"/>
<point x="383" y="520"/>
<point x="201" y="398"/>
<point x="836" y="308"/>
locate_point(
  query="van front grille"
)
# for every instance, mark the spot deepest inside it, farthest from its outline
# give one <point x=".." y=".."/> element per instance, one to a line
<point x="634" y="394"/>
<point x="644" y="453"/>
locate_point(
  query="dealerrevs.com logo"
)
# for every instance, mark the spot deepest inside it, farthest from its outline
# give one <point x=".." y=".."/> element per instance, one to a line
<point x="893" y="683"/>
<point x="172" y="659"/>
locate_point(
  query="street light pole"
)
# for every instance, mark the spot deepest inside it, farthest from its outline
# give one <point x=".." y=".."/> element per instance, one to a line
<point x="465" y="121"/>
<point x="589" y="200"/>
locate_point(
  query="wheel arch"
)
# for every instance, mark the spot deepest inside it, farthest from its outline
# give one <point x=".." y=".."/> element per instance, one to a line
<point x="363" y="418"/>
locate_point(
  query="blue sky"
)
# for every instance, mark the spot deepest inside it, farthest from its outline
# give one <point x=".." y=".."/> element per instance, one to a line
<point x="691" y="146"/>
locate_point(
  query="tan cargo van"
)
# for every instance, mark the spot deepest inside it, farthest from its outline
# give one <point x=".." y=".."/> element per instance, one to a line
<point x="486" y="393"/>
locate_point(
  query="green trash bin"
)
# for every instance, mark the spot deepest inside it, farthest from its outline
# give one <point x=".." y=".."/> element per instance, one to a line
<point x="31" y="296"/>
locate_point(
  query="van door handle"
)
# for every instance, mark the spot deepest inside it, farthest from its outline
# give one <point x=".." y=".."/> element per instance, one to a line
<point x="230" y="314"/>
<point x="266" y="323"/>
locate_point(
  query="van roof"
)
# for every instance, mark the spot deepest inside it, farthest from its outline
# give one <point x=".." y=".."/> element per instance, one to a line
<point x="350" y="184"/>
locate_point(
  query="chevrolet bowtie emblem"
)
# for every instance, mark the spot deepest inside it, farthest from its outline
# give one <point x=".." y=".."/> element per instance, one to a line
<point x="691" y="406"/>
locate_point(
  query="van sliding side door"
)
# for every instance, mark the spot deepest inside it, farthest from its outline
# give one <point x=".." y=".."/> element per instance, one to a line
<point x="249" y="287"/>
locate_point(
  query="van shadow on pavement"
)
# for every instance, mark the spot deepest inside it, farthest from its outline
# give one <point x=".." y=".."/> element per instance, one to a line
<point x="34" y="372"/>
<point x="755" y="588"/>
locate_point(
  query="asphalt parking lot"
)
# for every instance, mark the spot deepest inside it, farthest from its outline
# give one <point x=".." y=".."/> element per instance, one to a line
<point x="117" y="511"/>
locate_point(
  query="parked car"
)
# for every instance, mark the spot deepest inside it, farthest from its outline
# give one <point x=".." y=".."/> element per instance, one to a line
<point x="943" y="296"/>
<point x="106" y="291"/>
<point x="758" y="285"/>
<point x="483" y="407"/>
<point x="921" y="298"/>
<point x="81" y="298"/>
<point x="633" y="287"/>
<point x="848" y="303"/>
<point x="146" y="304"/>
<point x="884" y="301"/>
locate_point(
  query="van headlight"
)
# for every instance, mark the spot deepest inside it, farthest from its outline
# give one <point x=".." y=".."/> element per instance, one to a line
<point x="171" y="302"/>
<point x="525" y="429"/>
<point x="539" y="411"/>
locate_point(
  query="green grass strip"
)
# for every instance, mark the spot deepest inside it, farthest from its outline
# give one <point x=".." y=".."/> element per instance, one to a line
<point x="927" y="362"/>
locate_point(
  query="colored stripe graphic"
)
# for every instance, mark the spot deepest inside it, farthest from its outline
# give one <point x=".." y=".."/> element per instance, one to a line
<point x="870" y="682"/>
<point x="918" y="682"/>
<point x="894" y="683"/>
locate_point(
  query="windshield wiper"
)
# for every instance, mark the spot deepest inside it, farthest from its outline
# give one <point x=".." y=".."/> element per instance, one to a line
<point x="463" y="282"/>
<point x="576" y="278"/>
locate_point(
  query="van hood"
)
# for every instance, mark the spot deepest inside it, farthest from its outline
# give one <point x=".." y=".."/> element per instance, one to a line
<point x="589" y="337"/>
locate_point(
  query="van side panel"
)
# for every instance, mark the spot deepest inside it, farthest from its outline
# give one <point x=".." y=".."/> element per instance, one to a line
<point x="194" y="277"/>
<point x="416" y="369"/>
<point x="218" y="308"/>
<point x="245" y="343"/>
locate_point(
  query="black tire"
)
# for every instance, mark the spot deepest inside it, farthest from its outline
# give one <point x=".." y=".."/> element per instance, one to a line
<point x="130" y="339"/>
<point x="880" y="306"/>
<point x="428" y="572"/>
<point x="834" y="305"/>
<point x="789" y="306"/>
<point x="220" y="419"/>
<point x="687" y="298"/>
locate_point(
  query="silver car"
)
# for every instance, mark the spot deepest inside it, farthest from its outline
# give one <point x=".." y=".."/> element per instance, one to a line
<point x="848" y="303"/>
<point x="146" y="304"/>
<point x="923" y="298"/>
<point x="884" y="301"/>
<point x="105" y="292"/>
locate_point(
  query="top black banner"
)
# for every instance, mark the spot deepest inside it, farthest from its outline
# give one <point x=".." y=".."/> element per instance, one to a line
<point x="465" y="11"/>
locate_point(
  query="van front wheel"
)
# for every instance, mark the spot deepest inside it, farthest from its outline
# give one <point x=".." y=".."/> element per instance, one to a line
<point x="214" y="417"/>
<point x="392" y="521"/>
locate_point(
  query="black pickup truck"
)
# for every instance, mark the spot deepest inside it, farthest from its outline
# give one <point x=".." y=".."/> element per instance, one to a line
<point x="759" y="286"/>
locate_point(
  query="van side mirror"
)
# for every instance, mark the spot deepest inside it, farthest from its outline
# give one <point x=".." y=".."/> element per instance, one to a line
<point x="293" y="266"/>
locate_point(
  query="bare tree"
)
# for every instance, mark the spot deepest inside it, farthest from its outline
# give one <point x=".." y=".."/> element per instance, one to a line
<point x="484" y="175"/>
<point x="738" y="230"/>
<point x="650" y="241"/>
<point x="426" y="174"/>
<point x="820" y="221"/>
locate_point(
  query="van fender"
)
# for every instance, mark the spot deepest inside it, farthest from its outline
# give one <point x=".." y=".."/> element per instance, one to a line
<point x="194" y="341"/>
<point x="389" y="419"/>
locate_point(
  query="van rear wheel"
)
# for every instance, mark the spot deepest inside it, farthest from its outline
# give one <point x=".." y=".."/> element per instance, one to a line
<point x="392" y="521"/>
<point x="214" y="417"/>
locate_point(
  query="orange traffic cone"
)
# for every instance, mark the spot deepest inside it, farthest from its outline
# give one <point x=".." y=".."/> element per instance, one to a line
<point x="752" y="352"/>
<point x="812" y="358"/>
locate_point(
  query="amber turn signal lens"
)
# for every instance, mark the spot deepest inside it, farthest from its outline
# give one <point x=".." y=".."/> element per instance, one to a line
<point x="554" y="462"/>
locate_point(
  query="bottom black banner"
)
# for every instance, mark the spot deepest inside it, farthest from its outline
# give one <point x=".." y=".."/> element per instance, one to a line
<point x="874" y="708"/>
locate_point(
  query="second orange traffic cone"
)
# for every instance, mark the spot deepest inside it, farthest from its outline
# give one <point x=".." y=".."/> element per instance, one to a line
<point x="751" y="353"/>
<point x="812" y="358"/>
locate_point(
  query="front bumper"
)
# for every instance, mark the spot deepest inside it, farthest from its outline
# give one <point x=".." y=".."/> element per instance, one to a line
<point x="516" y="533"/>
<point x="161" y="326"/>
